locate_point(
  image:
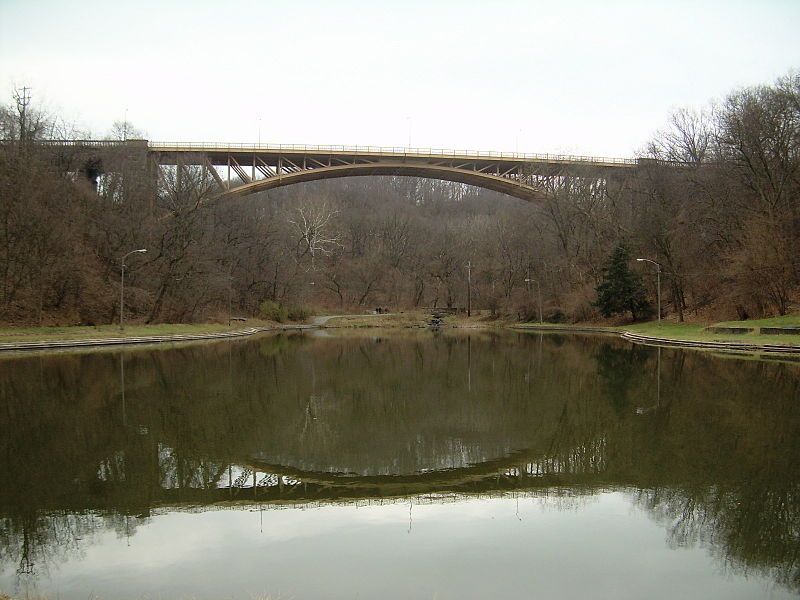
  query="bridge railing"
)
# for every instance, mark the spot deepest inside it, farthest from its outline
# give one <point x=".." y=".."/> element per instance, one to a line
<point x="83" y="143"/>
<point x="389" y="150"/>
<point x="343" y="149"/>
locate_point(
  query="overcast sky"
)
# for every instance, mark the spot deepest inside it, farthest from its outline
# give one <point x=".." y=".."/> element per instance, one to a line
<point x="580" y="77"/>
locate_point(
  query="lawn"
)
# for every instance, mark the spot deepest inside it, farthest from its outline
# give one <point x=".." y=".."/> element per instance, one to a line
<point x="697" y="332"/>
<point x="785" y="321"/>
<point x="31" y="334"/>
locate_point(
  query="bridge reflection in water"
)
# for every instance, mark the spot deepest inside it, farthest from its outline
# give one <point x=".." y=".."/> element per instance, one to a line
<point x="708" y="446"/>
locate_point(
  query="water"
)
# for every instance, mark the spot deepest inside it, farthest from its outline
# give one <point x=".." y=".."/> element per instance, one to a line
<point x="399" y="465"/>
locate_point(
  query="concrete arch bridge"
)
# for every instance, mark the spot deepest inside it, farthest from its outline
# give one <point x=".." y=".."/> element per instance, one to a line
<point x="241" y="169"/>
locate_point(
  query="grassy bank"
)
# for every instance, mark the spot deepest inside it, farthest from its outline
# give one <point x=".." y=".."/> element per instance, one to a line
<point x="698" y="332"/>
<point x="34" y="334"/>
<point x="415" y="319"/>
<point x="785" y="321"/>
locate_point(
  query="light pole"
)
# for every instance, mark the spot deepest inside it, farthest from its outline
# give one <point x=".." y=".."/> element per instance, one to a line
<point x="230" y="299"/>
<point x="469" y="288"/>
<point x="658" y="279"/>
<point x="122" y="287"/>
<point x="538" y="293"/>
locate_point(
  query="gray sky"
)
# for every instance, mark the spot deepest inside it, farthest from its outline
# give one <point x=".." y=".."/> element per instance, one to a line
<point x="581" y="77"/>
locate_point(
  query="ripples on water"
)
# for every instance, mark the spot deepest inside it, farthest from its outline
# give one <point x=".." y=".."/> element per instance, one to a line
<point x="399" y="465"/>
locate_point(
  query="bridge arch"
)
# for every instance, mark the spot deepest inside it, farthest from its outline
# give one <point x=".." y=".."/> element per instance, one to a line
<point x="240" y="170"/>
<point x="488" y="181"/>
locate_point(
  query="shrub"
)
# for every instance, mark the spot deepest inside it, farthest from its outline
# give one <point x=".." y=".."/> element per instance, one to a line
<point x="579" y="304"/>
<point x="555" y="315"/>
<point x="527" y="311"/>
<point x="273" y="311"/>
<point x="299" y="313"/>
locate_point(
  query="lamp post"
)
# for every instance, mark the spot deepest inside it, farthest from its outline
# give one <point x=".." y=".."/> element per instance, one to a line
<point x="538" y="293"/>
<point x="658" y="279"/>
<point x="469" y="288"/>
<point x="122" y="287"/>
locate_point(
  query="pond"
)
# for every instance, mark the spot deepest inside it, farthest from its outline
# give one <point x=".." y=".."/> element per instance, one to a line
<point x="413" y="464"/>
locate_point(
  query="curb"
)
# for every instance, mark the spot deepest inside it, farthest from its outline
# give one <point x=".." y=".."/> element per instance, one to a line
<point x="659" y="341"/>
<point x="740" y="346"/>
<point x="151" y="339"/>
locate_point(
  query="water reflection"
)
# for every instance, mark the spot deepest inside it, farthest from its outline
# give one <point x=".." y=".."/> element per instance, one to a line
<point x="95" y="442"/>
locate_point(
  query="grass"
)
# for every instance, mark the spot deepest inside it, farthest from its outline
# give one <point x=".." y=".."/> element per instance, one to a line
<point x="31" y="334"/>
<point x="784" y="321"/>
<point x="697" y="332"/>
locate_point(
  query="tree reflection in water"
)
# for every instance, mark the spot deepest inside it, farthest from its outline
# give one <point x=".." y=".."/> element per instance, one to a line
<point x="708" y="446"/>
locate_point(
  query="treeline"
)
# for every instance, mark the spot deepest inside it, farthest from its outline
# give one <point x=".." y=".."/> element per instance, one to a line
<point x="717" y="206"/>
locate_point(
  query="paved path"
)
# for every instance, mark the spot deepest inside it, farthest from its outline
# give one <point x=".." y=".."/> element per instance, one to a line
<point x="321" y="321"/>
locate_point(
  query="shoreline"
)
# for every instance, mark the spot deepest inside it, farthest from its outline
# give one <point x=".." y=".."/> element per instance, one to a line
<point x="144" y="339"/>
<point x="676" y="341"/>
<point x="652" y="340"/>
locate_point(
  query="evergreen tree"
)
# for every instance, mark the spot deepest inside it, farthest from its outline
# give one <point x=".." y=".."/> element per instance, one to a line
<point x="621" y="289"/>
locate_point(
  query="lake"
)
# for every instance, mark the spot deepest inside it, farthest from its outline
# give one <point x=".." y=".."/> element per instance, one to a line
<point x="402" y="464"/>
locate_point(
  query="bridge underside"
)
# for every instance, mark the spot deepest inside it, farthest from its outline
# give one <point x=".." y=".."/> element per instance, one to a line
<point x="238" y="172"/>
<point x="487" y="181"/>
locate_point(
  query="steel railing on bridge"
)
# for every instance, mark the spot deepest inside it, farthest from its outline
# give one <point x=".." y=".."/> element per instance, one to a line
<point x="345" y="149"/>
<point x="389" y="150"/>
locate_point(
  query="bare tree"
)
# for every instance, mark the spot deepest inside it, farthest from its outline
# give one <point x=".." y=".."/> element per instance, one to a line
<point x="312" y="223"/>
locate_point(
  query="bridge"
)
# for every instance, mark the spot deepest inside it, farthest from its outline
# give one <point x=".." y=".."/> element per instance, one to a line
<point x="241" y="169"/>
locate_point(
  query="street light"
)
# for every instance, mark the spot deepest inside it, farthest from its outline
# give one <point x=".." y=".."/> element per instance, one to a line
<point x="538" y="291"/>
<point x="658" y="279"/>
<point x="122" y="286"/>
<point x="230" y="298"/>
<point x="469" y="288"/>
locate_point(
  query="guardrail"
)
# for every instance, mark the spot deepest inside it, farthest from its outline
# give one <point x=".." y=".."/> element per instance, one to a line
<point x="391" y="150"/>
<point x="81" y="143"/>
<point x="344" y="149"/>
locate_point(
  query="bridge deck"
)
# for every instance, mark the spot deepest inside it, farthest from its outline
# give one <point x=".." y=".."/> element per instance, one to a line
<point x="241" y="169"/>
<point x="388" y="152"/>
<point x="219" y="150"/>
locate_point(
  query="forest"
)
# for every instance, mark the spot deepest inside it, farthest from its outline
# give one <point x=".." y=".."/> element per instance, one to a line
<point x="716" y="204"/>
